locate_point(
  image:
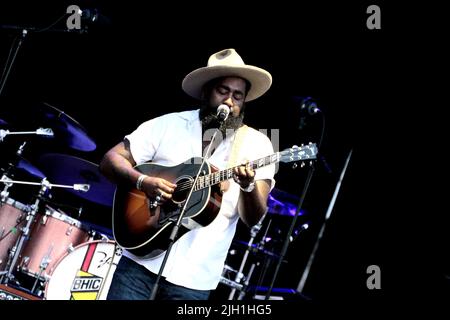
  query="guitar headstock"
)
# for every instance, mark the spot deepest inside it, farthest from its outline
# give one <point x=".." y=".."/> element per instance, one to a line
<point x="296" y="153"/>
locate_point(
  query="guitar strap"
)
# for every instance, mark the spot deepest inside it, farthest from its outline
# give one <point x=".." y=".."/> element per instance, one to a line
<point x="236" y="147"/>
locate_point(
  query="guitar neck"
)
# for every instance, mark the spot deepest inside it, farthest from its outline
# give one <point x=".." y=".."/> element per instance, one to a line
<point x="222" y="175"/>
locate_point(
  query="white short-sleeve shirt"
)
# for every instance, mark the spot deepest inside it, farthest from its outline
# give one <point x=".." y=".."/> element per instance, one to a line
<point x="197" y="258"/>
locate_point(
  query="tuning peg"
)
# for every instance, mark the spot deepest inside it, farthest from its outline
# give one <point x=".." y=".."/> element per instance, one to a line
<point x="294" y="166"/>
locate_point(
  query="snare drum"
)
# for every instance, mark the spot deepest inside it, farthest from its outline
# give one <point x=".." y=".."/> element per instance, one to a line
<point x="85" y="273"/>
<point x="52" y="235"/>
<point x="12" y="219"/>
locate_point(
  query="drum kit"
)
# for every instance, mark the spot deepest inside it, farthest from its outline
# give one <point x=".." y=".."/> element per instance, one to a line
<point x="45" y="252"/>
<point x="48" y="253"/>
<point x="249" y="262"/>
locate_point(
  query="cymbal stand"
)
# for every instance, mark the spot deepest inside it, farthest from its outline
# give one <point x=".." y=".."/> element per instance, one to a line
<point x="247" y="281"/>
<point x="5" y="193"/>
<point x="268" y="257"/>
<point x="6" y="175"/>
<point x="239" y="275"/>
<point x="77" y="186"/>
<point x="40" y="132"/>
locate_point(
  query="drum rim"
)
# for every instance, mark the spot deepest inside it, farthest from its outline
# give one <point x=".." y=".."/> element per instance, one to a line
<point x="15" y="204"/>
<point x="109" y="241"/>
<point x="61" y="216"/>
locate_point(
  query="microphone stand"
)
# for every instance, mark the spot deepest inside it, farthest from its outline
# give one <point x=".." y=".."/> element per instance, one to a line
<point x="308" y="104"/>
<point x="9" y="63"/>
<point x="291" y="229"/>
<point x="305" y="274"/>
<point x="24" y="32"/>
<point x="176" y="227"/>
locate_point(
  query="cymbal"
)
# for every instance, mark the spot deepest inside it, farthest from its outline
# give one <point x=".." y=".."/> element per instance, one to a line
<point x="3" y="123"/>
<point x="69" y="170"/>
<point x="31" y="169"/>
<point x="67" y="130"/>
<point x="282" y="203"/>
<point x="255" y="248"/>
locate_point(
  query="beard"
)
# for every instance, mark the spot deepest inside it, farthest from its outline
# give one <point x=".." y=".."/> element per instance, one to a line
<point x="209" y="120"/>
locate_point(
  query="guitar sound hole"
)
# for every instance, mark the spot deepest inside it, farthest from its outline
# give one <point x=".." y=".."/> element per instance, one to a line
<point x="184" y="184"/>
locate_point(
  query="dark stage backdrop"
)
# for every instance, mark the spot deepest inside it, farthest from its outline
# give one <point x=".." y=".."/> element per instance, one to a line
<point x="128" y="67"/>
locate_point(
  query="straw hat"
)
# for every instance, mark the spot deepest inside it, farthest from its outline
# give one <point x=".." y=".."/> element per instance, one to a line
<point x="227" y="63"/>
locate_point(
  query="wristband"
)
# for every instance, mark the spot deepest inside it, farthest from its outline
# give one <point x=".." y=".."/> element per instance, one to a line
<point x="249" y="188"/>
<point x="139" y="181"/>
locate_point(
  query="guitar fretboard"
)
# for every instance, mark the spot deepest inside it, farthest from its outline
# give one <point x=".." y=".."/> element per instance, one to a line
<point x="219" y="176"/>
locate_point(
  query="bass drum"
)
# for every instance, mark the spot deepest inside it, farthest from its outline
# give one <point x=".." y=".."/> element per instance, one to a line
<point x="85" y="273"/>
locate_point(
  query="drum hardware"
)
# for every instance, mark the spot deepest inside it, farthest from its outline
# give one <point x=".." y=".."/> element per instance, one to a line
<point x="79" y="212"/>
<point x="47" y="132"/>
<point x="4" y="194"/>
<point x="230" y="283"/>
<point x="93" y="234"/>
<point x="253" y="232"/>
<point x="77" y="186"/>
<point x="7" y="181"/>
<point x="247" y="281"/>
<point x="16" y="250"/>
<point x="42" y="267"/>
<point x="53" y="235"/>
<point x="64" y="169"/>
<point x="12" y="219"/>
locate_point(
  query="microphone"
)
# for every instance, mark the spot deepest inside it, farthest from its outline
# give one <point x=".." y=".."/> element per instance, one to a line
<point x="222" y="112"/>
<point x="310" y="106"/>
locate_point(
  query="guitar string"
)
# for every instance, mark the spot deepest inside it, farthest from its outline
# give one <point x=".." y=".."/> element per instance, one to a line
<point x="254" y="164"/>
<point x="188" y="184"/>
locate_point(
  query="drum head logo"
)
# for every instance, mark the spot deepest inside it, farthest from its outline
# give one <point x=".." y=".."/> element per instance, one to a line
<point x="85" y="286"/>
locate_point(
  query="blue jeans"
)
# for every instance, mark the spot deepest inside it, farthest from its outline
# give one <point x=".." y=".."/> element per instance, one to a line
<point x="131" y="281"/>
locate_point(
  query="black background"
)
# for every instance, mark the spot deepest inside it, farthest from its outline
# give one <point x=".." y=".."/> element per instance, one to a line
<point x="129" y="66"/>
